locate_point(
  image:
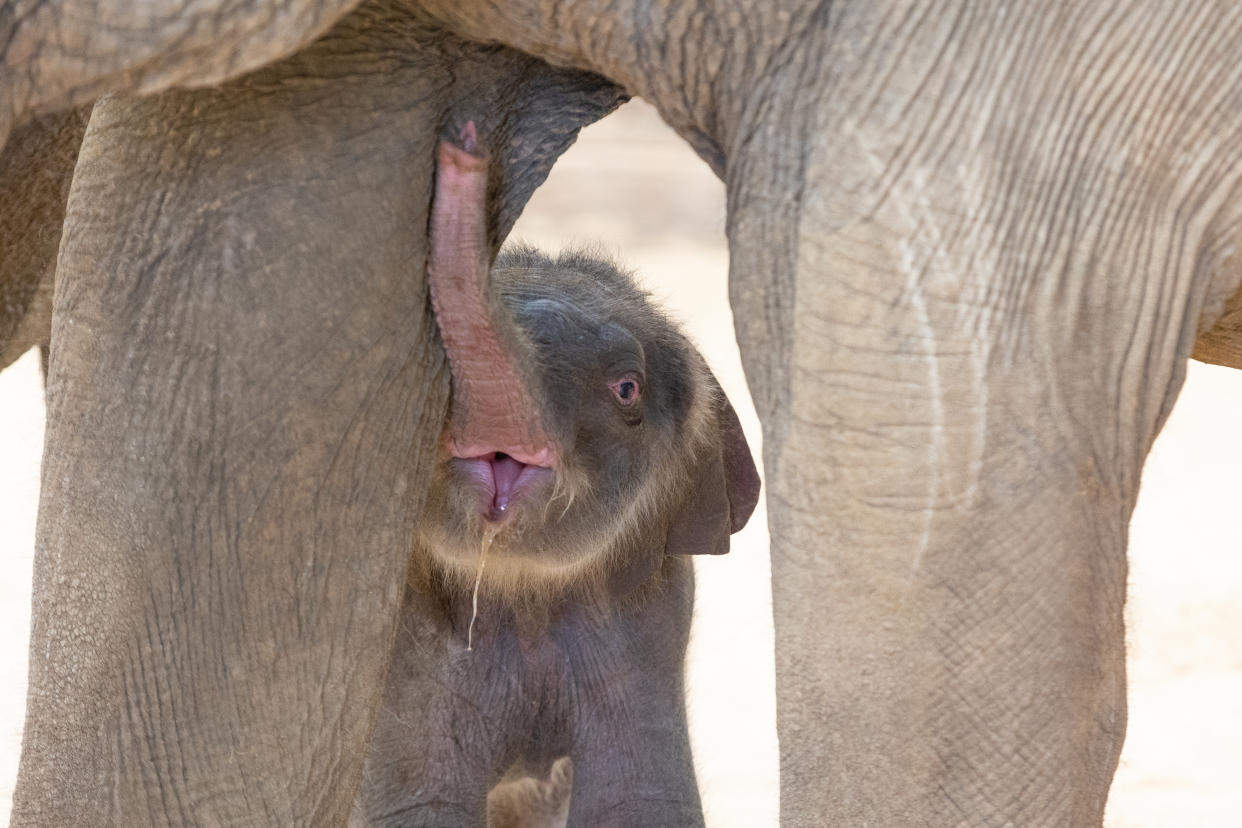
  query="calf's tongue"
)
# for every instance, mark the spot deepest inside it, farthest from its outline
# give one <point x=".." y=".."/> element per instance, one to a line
<point x="505" y="472"/>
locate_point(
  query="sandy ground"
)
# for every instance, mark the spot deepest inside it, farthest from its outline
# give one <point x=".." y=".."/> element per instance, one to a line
<point x="634" y="188"/>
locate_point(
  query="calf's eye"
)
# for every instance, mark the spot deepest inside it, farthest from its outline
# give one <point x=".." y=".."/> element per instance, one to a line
<point x="626" y="390"/>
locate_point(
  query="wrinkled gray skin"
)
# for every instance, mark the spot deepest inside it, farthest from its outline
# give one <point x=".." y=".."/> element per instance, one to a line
<point x="35" y="172"/>
<point x="585" y="598"/>
<point x="972" y="246"/>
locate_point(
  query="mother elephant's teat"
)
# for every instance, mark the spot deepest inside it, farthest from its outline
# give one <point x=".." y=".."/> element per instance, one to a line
<point x="493" y="410"/>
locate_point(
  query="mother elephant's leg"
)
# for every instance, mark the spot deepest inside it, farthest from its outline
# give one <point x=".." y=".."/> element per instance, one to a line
<point x="965" y="316"/>
<point x="948" y="549"/>
<point x="245" y="395"/>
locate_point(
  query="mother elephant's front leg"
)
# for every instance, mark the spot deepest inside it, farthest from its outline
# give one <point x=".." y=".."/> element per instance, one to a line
<point x="948" y="539"/>
<point x="948" y="566"/>
<point x="245" y="393"/>
<point x="961" y="354"/>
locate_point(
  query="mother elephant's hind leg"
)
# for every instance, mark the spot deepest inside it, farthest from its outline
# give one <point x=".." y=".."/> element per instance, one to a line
<point x="244" y="398"/>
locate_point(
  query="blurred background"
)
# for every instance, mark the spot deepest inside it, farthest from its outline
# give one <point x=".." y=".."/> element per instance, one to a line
<point x="633" y="188"/>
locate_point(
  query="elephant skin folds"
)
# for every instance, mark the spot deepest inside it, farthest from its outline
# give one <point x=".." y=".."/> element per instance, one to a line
<point x="36" y="167"/>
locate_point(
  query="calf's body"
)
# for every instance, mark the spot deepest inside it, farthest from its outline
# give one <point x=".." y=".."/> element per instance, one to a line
<point x="582" y="612"/>
<point x="588" y="451"/>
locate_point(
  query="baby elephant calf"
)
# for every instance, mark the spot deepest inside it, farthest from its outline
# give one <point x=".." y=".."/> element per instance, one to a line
<point x="549" y="598"/>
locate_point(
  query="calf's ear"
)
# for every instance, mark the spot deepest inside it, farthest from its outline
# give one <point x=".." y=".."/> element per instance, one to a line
<point x="722" y="491"/>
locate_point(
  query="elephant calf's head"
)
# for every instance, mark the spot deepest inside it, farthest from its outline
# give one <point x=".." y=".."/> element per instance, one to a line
<point x="583" y="421"/>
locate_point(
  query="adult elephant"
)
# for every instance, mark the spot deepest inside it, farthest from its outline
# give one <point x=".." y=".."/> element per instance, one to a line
<point x="972" y="246"/>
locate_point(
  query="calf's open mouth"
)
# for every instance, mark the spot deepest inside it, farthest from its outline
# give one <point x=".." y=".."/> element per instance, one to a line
<point x="502" y="480"/>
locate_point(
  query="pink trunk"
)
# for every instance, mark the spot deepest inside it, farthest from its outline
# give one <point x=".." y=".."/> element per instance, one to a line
<point x="493" y="409"/>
